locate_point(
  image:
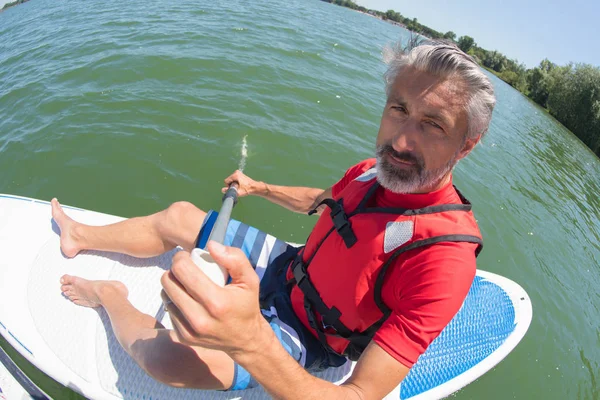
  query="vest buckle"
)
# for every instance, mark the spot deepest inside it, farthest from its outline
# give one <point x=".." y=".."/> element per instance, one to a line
<point x="342" y="225"/>
<point x="299" y="270"/>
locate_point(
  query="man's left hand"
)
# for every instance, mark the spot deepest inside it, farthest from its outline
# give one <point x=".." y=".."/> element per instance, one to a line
<point x="207" y="315"/>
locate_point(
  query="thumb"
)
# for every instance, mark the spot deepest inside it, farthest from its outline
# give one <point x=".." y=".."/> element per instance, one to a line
<point x="234" y="261"/>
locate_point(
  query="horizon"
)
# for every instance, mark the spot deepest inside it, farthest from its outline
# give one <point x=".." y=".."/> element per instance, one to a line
<point x="534" y="20"/>
<point x="530" y="38"/>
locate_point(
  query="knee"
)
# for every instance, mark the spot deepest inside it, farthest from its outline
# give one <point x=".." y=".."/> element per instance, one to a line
<point x="179" y="224"/>
<point x="179" y="212"/>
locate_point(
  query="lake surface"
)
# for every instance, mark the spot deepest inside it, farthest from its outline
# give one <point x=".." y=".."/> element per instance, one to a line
<point x="126" y="107"/>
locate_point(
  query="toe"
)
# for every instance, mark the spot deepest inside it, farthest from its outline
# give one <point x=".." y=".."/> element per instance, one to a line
<point x="55" y="205"/>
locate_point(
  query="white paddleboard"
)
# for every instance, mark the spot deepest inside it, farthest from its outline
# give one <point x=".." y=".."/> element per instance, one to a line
<point x="14" y="384"/>
<point x="9" y="387"/>
<point x="76" y="347"/>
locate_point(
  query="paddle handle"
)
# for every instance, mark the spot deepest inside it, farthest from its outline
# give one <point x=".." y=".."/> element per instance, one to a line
<point x="206" y="263"/>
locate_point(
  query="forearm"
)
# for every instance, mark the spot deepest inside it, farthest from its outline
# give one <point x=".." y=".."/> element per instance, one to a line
<point x="294" y="198"/>
<point x="283" y="378"/>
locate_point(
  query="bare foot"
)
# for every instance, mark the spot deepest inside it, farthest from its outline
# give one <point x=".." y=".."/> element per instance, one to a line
<point x="68" y="227"/>
<point x="87" y="293"/>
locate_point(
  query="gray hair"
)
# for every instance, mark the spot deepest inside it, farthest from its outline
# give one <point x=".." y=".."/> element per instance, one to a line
<point x="446" y="60"/>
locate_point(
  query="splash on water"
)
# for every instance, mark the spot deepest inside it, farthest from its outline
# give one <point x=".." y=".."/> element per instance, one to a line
<point x="244" y="154"/>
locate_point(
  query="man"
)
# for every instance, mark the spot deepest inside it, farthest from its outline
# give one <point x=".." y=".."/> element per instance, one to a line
<point x="386" y="267"/>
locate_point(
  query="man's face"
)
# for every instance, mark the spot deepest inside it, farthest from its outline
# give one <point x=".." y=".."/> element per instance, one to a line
<point x="422" y="132"/>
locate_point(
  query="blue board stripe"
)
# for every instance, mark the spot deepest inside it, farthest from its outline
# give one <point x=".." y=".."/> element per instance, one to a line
<point x="18" y="341"/>
<point x="1" y="324"/>
<point x="473" y="334"/>
<point x="257" y="248"/>
<point x="21" y="378"/>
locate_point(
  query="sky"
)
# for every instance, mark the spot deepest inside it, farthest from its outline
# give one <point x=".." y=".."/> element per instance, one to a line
<point x="528" y="30"/>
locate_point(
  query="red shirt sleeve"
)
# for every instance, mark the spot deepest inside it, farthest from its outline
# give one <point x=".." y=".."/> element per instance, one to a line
<point x="351" y="174"/>
<point x="424" y="290"/>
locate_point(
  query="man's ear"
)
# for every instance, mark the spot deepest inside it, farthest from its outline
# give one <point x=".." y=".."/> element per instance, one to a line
<point x="468" y="146"/>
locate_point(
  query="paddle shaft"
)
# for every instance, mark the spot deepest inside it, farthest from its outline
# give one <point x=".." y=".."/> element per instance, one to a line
<point x="200" y="257"/>
<point x="229" y="201"/>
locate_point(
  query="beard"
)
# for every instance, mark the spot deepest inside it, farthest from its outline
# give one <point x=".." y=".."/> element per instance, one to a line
<point x="417" y="178"/>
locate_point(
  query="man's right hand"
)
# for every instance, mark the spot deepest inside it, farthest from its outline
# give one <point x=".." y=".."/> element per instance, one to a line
<point x="294" y="198"/>
<point x="247" y="185"/>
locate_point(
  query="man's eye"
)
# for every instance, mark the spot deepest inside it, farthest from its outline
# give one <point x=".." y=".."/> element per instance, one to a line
<point x="399" y="108"/>
<point x="434" y="124"/>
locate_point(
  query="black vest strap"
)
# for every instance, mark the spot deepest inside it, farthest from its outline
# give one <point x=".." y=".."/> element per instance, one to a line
<point x="409" y="212"/>
<point x="340" y="220"/>
<point x="360" y="341"/>
<point x="330" y="317"/>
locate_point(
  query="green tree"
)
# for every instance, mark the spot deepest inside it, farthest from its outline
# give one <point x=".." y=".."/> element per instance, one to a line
<point x="547" y="65"/>
<point x="465" y="43"/>
<point x="495" y="60"/>
<point x="538" y="82"/>
<point x="450" y="35"/>
<point x="393" y="15"/>
<point x="574" y="100"/>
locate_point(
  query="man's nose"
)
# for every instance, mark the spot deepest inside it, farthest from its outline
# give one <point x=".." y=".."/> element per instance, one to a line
<point x="405" y="138"/>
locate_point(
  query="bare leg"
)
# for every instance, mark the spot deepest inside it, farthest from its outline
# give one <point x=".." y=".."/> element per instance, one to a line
<point x="147" y="236"/>
<point x="157" y="350"/>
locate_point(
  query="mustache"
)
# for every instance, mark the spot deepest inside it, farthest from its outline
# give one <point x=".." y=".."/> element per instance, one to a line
<point x="405" y="156"/>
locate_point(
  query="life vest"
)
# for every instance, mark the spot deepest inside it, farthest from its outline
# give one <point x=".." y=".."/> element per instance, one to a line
<point x="336" y="279"/>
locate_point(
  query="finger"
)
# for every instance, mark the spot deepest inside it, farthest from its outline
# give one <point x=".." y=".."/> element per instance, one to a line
<point x="181" y="326"/>
<point x="235" y="262"/>
<point x="189" y="317"/>
<point x="178" y="295"/>
<point x="193" y="280"/>
<point x="231" y="177"/>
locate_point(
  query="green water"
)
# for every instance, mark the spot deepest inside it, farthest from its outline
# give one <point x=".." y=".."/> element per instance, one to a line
<point x="126" y="107"/>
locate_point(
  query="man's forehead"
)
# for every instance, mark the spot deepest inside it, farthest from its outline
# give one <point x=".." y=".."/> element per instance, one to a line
<point x="440" y="92"/>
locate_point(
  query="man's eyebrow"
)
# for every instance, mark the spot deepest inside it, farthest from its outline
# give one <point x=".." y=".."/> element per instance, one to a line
<point x="438" y="117"/>
<point x="397" y="100"/>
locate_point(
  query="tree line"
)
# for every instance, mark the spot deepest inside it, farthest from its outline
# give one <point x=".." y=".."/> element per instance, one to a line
<point x="14" y="3"/>
<point x="570" y="93"/>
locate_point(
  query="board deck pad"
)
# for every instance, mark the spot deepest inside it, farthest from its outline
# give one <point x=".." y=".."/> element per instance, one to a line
<point x="75" y="345"/>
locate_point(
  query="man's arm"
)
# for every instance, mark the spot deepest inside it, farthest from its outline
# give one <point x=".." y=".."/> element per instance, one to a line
<point x="294" y="198"/>
<point x="375" y="375"/>
<point x="229" y="319"/>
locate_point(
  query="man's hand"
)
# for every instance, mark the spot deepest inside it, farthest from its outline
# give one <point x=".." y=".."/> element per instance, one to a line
<point x="222" y="318"/>
<point x="229" y="319"/>
<point x="247" y="185"/>
<point x="295" y="198"/>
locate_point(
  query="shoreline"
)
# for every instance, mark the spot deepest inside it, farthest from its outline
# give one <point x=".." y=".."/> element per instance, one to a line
<point x="6" y="6"/>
